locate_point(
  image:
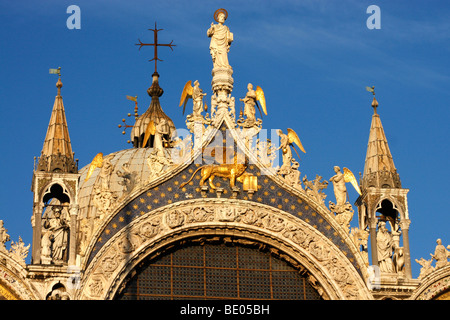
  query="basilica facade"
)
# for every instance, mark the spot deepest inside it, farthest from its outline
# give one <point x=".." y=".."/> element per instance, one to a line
<point x="209" y="216"/>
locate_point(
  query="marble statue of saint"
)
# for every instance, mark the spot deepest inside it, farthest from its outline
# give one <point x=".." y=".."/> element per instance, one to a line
<point x="221" y="39"/>
<point x="340" y="190"/>
<point x="440" y="255"/>
<point x="385" y="247"/>
<point x="56" y="223"/>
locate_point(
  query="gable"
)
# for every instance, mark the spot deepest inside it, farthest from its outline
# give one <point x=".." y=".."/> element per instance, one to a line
<point x="183" y="184"/>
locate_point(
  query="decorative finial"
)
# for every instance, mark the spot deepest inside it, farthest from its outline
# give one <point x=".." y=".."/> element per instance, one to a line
<point x="374" y="101"/>
<point x="155" y="91"/>
<point x="58" y="83"/>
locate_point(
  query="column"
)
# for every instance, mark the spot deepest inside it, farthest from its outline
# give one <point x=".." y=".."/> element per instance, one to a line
<point x="73" y="210"/>
<point x="404" y="225"/>
<point x="36" y="222"/>
<point x="373" y="239"/>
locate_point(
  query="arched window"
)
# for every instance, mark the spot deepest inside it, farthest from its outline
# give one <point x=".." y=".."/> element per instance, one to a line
<point x="216" y="271"/>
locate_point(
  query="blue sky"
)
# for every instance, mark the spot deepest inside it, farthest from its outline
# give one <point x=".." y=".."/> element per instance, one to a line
<point x="312" y="58"/>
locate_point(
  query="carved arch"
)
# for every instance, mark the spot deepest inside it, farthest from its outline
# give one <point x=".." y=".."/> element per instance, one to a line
<point x="13" y="280"/>
<point x="434" y="286"/>
<point x="396" y="205"/>
<point x="59" y="190"/>
<point x="155" y="230"/>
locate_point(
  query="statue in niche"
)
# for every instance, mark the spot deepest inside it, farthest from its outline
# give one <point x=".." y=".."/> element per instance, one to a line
<point x="441" y="255"/>
<point x="221" y="39"/>
<point x="4" y="237"/>
<point x="385" y="246"/>
<point x="55" y="235"/>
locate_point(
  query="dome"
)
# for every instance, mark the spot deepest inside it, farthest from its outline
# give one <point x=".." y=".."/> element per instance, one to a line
<point x="121" y="172"/>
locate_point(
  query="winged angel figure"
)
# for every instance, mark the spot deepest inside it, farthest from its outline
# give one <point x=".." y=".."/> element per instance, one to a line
<point x="197" y="95"/>
<point x="340" y="190"/>
<point x="286" y="142"/>
<point x="251" y="100"/>
<point x="343" y="208"/>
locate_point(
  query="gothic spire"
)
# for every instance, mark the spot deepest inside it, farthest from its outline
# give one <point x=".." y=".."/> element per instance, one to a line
<point x="379" y="168"/>
<point x="56" y="154"/>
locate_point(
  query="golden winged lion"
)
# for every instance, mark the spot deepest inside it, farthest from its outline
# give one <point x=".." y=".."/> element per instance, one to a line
<point x="232" y="171"/>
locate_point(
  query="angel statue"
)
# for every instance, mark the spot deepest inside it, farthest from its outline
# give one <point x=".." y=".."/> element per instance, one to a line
<point x="250" y="100"/>
<point x="339" y="180"/>
<point x="197" y="95"/>
<point x="343" y="209"/>
<point x="286" y="141"/>
<point x="221" y="39"/>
